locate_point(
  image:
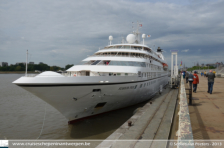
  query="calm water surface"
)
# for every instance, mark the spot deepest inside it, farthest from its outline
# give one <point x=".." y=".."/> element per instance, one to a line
<point x="22" y="114"/>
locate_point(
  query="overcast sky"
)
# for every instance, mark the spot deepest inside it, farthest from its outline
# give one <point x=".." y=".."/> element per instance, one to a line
<point x="61" y="32"/>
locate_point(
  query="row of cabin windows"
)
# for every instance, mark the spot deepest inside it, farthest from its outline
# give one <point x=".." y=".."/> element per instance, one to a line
<point x="147" y="84"/>
<point x="153" y="74"/>
<point x="123" y="63"/>
<point x="117" y="74"/>
<point x="127" y="54"/>
<point x="148" y="74"/>
<point x="128" y="63"/>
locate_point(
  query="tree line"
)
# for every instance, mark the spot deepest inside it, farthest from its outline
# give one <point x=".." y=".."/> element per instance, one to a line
<point x="33" y="67"/>
<point x="200" y="68"/>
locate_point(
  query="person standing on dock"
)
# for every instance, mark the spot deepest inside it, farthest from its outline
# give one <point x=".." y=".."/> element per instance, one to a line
<point x="187" y="75"/>
<point x="184" y="74"/>
<point x="211" y="77"/>
<point x="205" y="74"/>
<point x="195" y="81"/>
<point x="190" y="79"/>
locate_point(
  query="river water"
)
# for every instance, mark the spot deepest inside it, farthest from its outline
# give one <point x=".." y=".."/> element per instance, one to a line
<point x="22" y="114"/>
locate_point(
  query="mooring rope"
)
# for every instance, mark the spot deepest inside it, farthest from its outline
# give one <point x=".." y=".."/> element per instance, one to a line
<point x="43" y="122"/>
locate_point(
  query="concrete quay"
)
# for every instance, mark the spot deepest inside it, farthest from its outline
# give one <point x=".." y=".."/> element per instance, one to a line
<point x="153" y="121"/>
<point x="207" y="110"/>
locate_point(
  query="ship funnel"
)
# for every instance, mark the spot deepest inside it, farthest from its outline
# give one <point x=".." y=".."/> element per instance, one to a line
<point x="159" y="50"/>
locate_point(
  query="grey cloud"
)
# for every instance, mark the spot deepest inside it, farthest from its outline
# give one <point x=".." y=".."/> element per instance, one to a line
<point x="56" y="32"/>
<point x="185" y="50"/>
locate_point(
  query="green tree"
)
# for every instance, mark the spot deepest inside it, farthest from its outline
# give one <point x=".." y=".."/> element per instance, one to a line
<point x="31" y="67"/>
<point x="11" y="68"/>
<point x="68" y="66"/>
<point x="18" y="68"/>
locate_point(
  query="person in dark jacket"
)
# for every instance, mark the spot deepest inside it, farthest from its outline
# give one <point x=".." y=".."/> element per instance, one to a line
<point x="211" y="77"/>
<point x="195" y="82"/>
<point x="184" y="74"/>
<point x="190" y="79"/>
<point x="187" y="75"/>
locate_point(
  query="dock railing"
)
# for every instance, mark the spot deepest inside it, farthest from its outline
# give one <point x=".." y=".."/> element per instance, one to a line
<point x="184" y="133"/>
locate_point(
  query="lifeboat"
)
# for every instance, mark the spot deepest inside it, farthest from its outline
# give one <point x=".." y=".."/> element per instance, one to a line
<point x="165" y="65"/>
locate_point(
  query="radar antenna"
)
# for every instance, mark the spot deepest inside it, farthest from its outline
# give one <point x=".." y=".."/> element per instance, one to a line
<point x="137" y="33"/>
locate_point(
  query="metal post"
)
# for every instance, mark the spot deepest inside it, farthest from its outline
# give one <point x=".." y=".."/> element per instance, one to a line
<point x="176" y="69"/>
<point x="171" y="65"/>
<point x="190" y="94"/>
<point x="171" y="82"/>
<point x="26" y="61"/>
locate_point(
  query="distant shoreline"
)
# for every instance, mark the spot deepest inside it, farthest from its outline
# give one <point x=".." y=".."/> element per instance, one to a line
<point x="17" y="72"/>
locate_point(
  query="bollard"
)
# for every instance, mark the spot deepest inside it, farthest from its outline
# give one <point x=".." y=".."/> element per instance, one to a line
<point x="190" y="93"/>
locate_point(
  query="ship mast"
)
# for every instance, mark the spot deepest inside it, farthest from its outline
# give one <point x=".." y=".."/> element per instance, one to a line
<point x="137" y="33"/>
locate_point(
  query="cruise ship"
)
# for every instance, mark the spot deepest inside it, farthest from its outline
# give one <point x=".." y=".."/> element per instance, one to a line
<point x="116" y="76"/>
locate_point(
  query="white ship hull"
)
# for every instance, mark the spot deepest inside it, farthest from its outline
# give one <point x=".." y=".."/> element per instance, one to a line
<point x="117" y="76"/>
<point x="79" y="100"/>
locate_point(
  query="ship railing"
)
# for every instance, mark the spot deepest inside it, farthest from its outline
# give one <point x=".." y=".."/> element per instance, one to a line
<point x="66" y="74"/>
<point x="151" y="77"/>
<point x="88" y="63"/>
<point x="119" y="56"/>
<point x="132" y="48"/>
<point x="81" y="75"/>
<point x="69" y="75"/>
<point x="138" y="49"/>
<point x="31" y="75"/>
